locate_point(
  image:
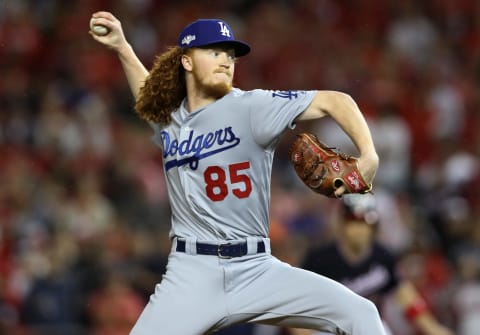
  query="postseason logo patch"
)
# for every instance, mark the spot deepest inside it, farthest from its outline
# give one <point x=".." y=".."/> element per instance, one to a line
<point x="188" y="39"/>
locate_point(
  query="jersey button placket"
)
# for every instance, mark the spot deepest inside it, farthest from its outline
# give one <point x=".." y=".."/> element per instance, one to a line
<point x="184" y="133"/>
<point x="183" y="169"/>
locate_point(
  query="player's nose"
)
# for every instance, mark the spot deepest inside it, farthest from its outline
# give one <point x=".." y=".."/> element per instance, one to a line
<point x="226" y="59"/>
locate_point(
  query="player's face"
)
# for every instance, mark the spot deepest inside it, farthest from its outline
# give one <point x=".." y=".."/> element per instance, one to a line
<point x="212" y="70"/>
<point x="357" y="235"/>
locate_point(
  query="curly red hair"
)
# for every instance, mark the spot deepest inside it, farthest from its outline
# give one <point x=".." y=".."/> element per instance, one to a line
<point x="164" y="88"/>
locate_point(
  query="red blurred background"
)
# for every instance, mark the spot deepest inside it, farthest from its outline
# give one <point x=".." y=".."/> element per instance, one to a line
<point x="84" y="215"/>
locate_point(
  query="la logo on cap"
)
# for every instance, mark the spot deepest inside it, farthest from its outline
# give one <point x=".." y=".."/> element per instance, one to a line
<point x="224" y="29"/>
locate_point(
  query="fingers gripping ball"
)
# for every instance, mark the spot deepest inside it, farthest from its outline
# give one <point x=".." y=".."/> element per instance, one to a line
<point x="323" y="169"/>
<point x="98" y="29"/>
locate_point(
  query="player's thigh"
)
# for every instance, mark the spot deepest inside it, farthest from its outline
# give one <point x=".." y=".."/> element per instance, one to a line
<point x="295" y="297"/>
<point x="282" y="287"/>
<point x="186" y="300"/>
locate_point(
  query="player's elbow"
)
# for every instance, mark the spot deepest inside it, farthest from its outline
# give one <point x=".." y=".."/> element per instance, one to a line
<point x="342" y="101"/>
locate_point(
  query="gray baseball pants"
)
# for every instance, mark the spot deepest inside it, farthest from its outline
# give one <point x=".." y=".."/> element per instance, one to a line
<point x="199" y="294"/>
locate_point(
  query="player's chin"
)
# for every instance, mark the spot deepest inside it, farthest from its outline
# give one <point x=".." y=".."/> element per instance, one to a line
<point x="219" y="89"/>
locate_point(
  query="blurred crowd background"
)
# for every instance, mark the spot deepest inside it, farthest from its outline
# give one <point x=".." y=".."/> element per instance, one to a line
<point x="84" y="215"/>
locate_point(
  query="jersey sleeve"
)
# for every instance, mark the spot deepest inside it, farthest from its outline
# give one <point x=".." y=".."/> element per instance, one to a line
<point x="271" y="112"/>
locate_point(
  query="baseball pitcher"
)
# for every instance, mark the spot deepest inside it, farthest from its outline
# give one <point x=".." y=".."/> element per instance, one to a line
<point x="218" y="144"/>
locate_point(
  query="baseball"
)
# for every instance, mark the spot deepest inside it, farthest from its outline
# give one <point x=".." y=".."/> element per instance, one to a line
<point x="98" y="29"/>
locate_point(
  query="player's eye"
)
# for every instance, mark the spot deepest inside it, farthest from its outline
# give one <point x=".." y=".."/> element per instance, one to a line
<point x="230" y="54"/>
<point x="231" y="57"/>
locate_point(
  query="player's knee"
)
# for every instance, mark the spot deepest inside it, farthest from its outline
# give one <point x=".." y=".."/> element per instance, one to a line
<point x="366" y="310"/>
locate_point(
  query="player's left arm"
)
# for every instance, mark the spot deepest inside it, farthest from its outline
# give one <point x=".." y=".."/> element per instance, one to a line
<point x="417" y="311"/>
<point x="344" y="110"/>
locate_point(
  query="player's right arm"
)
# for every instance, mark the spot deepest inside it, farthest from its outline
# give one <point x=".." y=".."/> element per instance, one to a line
<point x="135" y="71"/>
<point x="345" y="112"/>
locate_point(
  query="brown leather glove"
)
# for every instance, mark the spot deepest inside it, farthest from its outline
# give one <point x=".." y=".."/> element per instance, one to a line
<point x="323" y="169"/>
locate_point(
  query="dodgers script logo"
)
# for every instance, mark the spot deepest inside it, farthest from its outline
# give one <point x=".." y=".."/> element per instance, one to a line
<point x="196" y="147"/>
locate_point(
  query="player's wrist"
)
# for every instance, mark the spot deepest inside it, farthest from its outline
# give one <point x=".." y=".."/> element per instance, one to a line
<point x="368" y="165"/>
<point x="124" y="49"/>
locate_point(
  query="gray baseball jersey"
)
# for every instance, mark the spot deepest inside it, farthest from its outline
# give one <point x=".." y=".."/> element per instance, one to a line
<point x="218" y="161"/>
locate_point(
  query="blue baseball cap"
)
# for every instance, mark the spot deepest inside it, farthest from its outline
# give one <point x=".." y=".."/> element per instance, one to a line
<point x="211" y="31"/>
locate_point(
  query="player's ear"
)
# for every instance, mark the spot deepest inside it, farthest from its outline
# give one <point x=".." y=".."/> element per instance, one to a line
<point x="187" y="62"/>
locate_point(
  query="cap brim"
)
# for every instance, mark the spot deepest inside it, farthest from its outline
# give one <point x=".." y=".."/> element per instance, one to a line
<point x="241" y="48"/>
